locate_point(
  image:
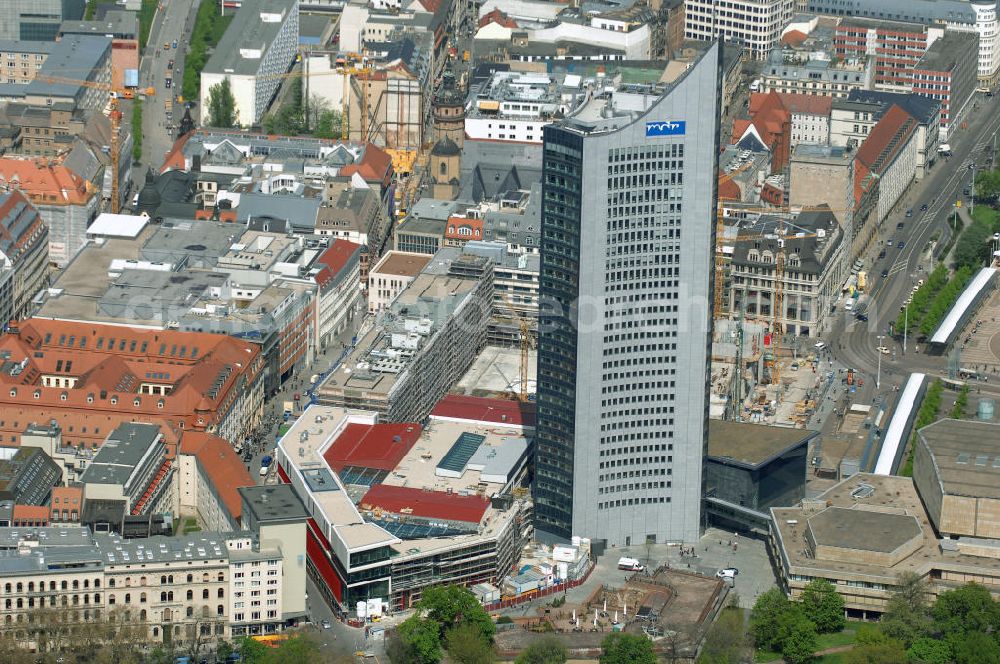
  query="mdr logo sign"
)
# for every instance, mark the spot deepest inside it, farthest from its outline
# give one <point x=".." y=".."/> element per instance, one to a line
<point x="665" y="128"/>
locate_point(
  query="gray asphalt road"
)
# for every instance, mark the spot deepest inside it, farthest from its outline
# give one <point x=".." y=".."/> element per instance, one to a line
<point x="173" y="22"/>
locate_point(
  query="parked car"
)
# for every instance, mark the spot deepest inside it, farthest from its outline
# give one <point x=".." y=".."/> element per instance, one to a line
<point x="923" y="208"/>
<point x="727" y="573"/>
<point x="862" y="317"/>
<point x="902" y="244"/>
<point x="170" y="65"/>
<point x="885" y="273"/>
<point x="909" y="213"/>
<point x="174" y="45"/>
<point x="326" y="624"/>
<point x="881" y="254"/>
<point x="883" y="350"/>
<point x="899" y="226"/>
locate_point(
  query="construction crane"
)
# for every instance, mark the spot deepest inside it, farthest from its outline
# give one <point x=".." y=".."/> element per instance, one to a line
<point x="524" y="332"/>
<point x="115" y="115"/>
<point x="720" y="260"/>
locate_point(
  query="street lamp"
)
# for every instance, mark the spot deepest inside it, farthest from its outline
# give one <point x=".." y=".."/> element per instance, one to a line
<point x="878" y="373"/>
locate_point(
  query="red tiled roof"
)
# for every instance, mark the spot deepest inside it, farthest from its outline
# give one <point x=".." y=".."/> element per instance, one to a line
<point x="379" y="446"/>
<point x="427" y="504"/>
<point x="812" y="104"/>
<point x="451" y="231"/>
<point x="174" y="161"/>
<point x="485" y="410"/>
<point x="222" y="465"/>
<point x="45" y="183"/>
<point x="729" y="190"/>
<point x="335" y="258"/>
<point x="874" y="152"/>
<point x="34" y="513"/>
<point x="375" y="165"/>
<point x="497" y="16"/>
<point x="793" y="37"/>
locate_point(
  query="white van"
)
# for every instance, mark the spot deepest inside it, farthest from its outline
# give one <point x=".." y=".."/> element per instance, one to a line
<point x="819" y="346"/>
<point x="849" y="304"/>
<point x="630" y="564"/>
<point x="263" y="471"/>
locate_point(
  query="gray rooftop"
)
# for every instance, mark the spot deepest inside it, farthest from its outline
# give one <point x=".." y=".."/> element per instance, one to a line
<point x="752" y="445"/>
<point x="200" y="546"/>
<point x="966" y="456"/>
<point x="74" y="53"/>
<point x="272" y="503"/>
<point x="201" y="242"/>
<point x="13" y="563"/>
<point x="147" y="295"/>
<point x="923" y="11"/>
<point x="299" y="211"/>
<point x="117" y="23"/>
<point x="24" y="46"/>
<point x="248" y="31"/>
<point x="863" y="530"/>
<point x="946" y="52"/>
<point x="47" y="536"/>
<point x="119" y="455"/>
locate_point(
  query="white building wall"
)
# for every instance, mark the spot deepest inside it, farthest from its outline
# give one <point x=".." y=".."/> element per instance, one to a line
<point x="352" y="22"/>
<point x="988" y="29"/>
<point x="504" y="129"/>
<point x="810" y="128"/>
<point x="756" y="23"/>
<point x="897" y="178"/>
<point x="636" y="43"/>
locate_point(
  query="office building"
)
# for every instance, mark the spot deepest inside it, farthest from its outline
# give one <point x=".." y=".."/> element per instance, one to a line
<point x="978" y="17"/>
<point x="28" y="477"/>
<point x="815" y="73"/>
<point x="131" y="466"/>
<point x="20" y="60"/>
<point x="896" y="46"/>
<point x="754" y="24"/>
<point x="37" y="20"/>
<point x="258" y="46"/>
<point x="619" y="453"/>
<point x="947" y="73"/>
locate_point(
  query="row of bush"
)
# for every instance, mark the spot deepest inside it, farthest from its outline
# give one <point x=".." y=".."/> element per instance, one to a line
<point x="137" y="130"/>
<point x="209" y="26"/>
<point x="922" y="298"/>
<point x="928" y="414"/>
<point x="147" y="10"/>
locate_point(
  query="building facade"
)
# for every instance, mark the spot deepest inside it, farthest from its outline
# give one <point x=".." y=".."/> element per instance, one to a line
<point x="24" y="252"/>
<point x="37" y="20"/>
<point x="619" y="453"/>
<point x="947" y="73"/>
<point x="258" y="46"/>
<point x="793" y="72"/>
<point x="896" y="46"/>
<point x="756" y="24"/>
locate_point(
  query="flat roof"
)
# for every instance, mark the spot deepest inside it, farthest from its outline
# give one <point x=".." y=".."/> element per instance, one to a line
<point x="247" y="32"/>
<point x="966" y="456"/>
<point x="117" y="225"/>
<point x="402" y="263"/>
<point x="46" y="536"/>
<point x="120" y="453"/>
<point x="752" y="445"/>
<point x="863" y="530"/>
<point x="428" y="504"/>
<point x="271" y="503"/>
<point x="962" y="304"/>
<point x="484" y="410"/>
<point x="377" y="446"/>
<point x="73" y="53"/>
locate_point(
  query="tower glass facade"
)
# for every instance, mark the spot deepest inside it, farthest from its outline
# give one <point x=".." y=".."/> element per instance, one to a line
<point x="625" y="314"/>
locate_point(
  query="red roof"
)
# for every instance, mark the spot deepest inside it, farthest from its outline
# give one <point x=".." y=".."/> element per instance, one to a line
<point x="335" y="258"/>
<point x="379" y="446"/>
<point x="793" y="37"/>
<point x="729" y="190"/>
<point x="812" y="104"/>
<point x="497" y="16"/>
<point x="428" y="504"/>
<point x="886" y="139"/>
<point x="375" y="165"/>
<point x="485" y="410"/>
<point x="223" y="466"/>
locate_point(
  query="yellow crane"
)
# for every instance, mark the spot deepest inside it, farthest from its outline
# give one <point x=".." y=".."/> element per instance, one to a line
<point x="115" y="116"/>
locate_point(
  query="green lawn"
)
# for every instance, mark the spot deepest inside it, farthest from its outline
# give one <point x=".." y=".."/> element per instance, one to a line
<point x="844" y="638"/>
<point x="283" y="429"/>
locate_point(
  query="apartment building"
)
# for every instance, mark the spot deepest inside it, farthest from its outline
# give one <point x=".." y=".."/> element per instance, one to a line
<point x="24" y="253"/>
<point x="814" y="270"/>
<point x="205" y="586"/>
<point x="889" y="154"/>
<point x="391" y="276"/>
<point x="754" y="24"/>
<point x="815" y="74"/>
<point x="258" y="46"/>
<point x="863" y="108"/>
<point x="20" y="61"/>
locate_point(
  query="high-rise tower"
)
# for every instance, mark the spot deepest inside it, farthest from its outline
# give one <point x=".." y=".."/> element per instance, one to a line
<point x="628" y="236"/>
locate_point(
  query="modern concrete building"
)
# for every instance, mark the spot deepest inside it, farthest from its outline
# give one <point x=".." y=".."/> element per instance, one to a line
<point x="897" y="47"/>
<point x="823" y="175"/>
<point x="755" y="24"/>
<point x="259" y="46"/>
<point x="28" y="477"/>
<point x="947" y="73"/>
<point x="132" y="466"/>
<point x="871" y="105"/>
<point x="393" y="273"/>
<point x="620" y="452"/>
<point x="37" y="20"/>
<point x="978" y="17"/>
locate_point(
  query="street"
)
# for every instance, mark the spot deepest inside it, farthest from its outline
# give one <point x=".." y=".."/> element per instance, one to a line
<point x="173" y="21"/>
<point x="854" y="342"/>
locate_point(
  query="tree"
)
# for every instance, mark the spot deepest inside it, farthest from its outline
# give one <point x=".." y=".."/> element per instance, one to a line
<point x="422" y="640"/>
<point x="726" y="641"/>
<point x="221" y="105"/>
<point x="769" y="613"/>
<point x="888" y="652"/>
<point x="906" y="616"/>
<point x="964" y="610"/>
<point x="296" y="650"/>
<point x="466" y="645"/>
<point x="926" y="650"/>
<point x="223" y="650"/>
<point x="621" y="648"/>
<point x="798" y="640"/>
<point x="823" y="606"/>
<point x="252" y="652"/>
<point x="449" y="606"/>
<point x="546" y="650"/>
<point x="975" y="648"/>
<point x="328" y="125"/>
<point x="988" y="184"/>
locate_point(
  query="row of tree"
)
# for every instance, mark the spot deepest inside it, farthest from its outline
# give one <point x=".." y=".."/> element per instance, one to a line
<point x="791" y="628"/>
<point x="301" y="116"/>
<point x="450" y="622"/>
<point x="209" y="26"/>
<point x="928" y="414"/>
<point x="922" y="298"/>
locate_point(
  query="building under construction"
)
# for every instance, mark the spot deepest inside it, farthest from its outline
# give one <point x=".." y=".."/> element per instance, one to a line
<point x="421" y="345"/>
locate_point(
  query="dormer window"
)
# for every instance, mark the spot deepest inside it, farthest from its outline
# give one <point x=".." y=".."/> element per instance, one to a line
<point x="136" y="402"/>
<point x="13" y="392"/>
<point x="63" y="396"/>
<point x="114" y="400"/>
<point x="38" y="394"/>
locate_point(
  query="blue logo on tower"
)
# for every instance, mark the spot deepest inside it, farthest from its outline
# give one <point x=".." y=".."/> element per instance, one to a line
<point x="666" y="128"/>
